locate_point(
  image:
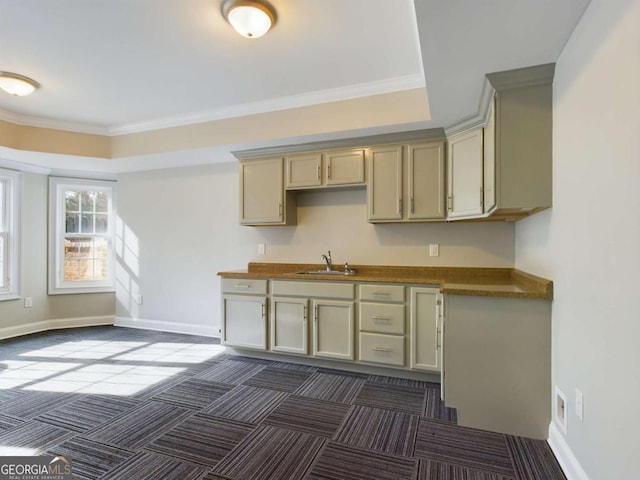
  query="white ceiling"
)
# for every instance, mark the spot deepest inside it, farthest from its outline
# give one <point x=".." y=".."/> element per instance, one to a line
<point x="113" y="66"/>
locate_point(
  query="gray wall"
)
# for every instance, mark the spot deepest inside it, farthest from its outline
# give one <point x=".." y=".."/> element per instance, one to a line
<point x="33" y="243"/>
<point x="181" y="226"/>
<point x="589" y="244"/>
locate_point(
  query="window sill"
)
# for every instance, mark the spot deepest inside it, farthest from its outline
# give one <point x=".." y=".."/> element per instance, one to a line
<point x="81" y="290"/>
<point x="5" y="297"/>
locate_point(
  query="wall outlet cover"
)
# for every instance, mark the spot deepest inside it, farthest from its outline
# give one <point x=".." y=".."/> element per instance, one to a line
<point x="434" y="250"/>
<point x="560" y="409"/>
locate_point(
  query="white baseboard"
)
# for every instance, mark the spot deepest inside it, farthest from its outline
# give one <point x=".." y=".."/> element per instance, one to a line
<point x="173" y="327"/>
<point x="567" y="460"/>
<point x="55" y="324"/>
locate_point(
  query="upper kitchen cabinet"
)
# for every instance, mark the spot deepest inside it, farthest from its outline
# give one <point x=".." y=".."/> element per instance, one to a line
<point x="465" y="189"/>
<point x="507" y="148"/>
<point x="262" y="197"/>
<point x="341" y="168"/>
<point x="384" y="192"/>
<point x="344" y="167"/>
<point x="425" y="181"/>
<point x="406" y="183"/>
<point x="303" y="171"/>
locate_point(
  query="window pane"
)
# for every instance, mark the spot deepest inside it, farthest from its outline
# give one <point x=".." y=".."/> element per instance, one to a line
<point x="102" y="202"/>
<point x="87" y="224"/>
<point x="86" y="201"/>
<point x="72" y="223"/>
<point x="86" y="258"/>
<point x="71" y="200"/>
<point x="102" y="223"/>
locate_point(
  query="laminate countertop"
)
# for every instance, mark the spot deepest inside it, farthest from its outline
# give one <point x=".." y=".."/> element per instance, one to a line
<point x="485" y="282"/>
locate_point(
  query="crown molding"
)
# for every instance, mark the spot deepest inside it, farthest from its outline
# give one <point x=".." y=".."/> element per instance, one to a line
<point x="478" y="119"/>
<point x="352" y="142"/>
<point x="349" y="92"/>
<point x="379" y="87"/>
<point x="522" y="77"/>
<point x="42" y="122"/>
<point x="498" y="82"/>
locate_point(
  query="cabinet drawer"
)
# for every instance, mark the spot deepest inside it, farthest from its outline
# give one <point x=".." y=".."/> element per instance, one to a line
<point x="382" y="293"/>
<point x="313" y="289"/>
<point x="244" y="285"/>
<point x="382" y="318"/>
<point x="385" y="349"/>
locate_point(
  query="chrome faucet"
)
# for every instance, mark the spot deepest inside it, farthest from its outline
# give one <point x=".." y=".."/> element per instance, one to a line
<point x="327" y="259"/>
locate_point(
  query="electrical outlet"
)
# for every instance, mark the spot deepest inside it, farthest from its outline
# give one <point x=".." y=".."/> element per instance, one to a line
<point x="560" y="410"/>
<point x="579" y="404"/>
<point x="138" y="299"/>
<point x="28" y="302"/>
<point x="261" y="248"/>
<point x="434" y="250"/>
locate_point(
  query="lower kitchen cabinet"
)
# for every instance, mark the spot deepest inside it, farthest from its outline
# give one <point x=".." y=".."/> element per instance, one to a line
<point x="333" y="329"/>
<point x="244" y="321"/>
<point x="425" y="352"/>
<point x="289" y="325"/>
<point x="381" y="321"/>
<point x="382" y="349"/>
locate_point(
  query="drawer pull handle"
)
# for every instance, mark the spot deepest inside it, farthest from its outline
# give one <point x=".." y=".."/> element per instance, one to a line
<point x="381" y="349"/>
<point x="382" y="319"/>
<point x="386" y="294"/>
<point x="243" y="285"/>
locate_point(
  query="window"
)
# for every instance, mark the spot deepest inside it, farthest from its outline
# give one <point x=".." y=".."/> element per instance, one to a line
<point x="81" y="226"/>
<point x="9" y="229"/>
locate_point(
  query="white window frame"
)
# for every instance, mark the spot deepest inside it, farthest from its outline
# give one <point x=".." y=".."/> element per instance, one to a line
<point x="10" y="233"/>
<point x="57" y="284"/>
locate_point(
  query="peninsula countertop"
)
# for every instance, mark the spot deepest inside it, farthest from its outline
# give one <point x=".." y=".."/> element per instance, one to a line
<point x="475" y="281"/>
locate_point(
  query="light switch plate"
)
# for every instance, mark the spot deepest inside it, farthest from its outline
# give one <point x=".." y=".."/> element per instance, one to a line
<point x="261" y="248"/>
<point x="434" y="250"/>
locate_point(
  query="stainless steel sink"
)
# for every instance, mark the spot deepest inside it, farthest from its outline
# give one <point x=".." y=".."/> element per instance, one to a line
<point x="327" y="272"/>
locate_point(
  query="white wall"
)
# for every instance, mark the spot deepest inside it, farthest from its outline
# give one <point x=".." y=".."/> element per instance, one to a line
<point x="589" y="244"/>
<point x="181" y="226"/>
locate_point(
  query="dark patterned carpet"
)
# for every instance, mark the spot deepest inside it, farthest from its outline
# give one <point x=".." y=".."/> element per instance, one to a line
<point x="135" y="404"/>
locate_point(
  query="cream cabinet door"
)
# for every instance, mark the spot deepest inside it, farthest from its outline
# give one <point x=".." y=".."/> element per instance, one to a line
<point x="344" y="167"/>
<point x="261" y="192"/>
<point x="424" y="328"/>
<point x="333" y="329"/>
<point x="384" y="191"/>
<point x="464" y="170"/>
<point x="244" y="321"/>
<point x="289" y="321"/>
<point x="426" y="185"/>
<point x="303" y="171"/>
<point x="490" y="159"/>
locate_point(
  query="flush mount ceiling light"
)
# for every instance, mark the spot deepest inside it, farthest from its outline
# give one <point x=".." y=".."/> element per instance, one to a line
<point x="250" y="18"/>
<point x="16" y="84"/>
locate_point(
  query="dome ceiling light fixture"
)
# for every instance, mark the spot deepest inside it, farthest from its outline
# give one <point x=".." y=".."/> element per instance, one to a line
<point x="250" y="18"/>
<point x="16" y="84"/>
